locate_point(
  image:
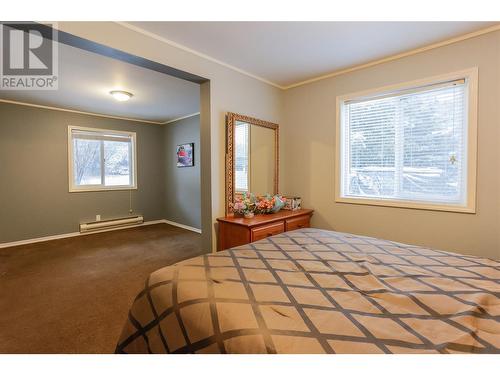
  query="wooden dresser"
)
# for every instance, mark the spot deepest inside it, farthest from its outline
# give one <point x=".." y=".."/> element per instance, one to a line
<point x="236" y="231"/>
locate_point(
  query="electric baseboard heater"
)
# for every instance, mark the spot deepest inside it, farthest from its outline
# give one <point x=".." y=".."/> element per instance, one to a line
<point x="111" y="224"/>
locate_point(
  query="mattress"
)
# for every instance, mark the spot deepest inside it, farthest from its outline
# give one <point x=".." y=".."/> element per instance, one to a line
<point x="319" y="291"/>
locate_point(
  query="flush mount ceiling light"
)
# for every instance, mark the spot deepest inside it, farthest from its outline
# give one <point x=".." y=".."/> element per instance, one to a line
<point x="121" y="96"/>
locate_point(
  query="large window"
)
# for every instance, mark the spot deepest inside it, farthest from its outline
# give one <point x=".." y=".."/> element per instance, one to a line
<point x="101" y="159"/>
<point x="410" y="146"/>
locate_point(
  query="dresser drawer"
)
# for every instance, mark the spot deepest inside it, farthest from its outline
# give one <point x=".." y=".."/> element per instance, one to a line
<point x="264" y="231"/>
<point x="237" y="231"/>
<point x="298" y="222"/>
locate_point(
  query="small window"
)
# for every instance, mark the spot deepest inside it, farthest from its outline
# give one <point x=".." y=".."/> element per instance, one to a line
<point x="101" y="159"/>
<point x="242" y="160"/>
<point x="410" y="146"/>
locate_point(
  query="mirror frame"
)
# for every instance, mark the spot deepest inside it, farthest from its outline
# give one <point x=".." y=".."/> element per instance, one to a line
<point x="231" y="119"/>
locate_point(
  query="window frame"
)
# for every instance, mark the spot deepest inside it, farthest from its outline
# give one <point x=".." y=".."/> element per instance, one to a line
<point x="90" y="188"/>
<point x="471" y="78"/>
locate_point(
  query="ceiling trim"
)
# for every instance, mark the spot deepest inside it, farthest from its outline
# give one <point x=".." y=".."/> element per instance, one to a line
<point x="79" y="112"/>
<point x="194" y="52"/>
<point x="321" y="77"/>
<point x="180" y="118"/>
<point x="397" y="56"/>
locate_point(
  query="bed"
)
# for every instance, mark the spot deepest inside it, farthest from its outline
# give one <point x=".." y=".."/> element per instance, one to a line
<point x="319" y="291"/>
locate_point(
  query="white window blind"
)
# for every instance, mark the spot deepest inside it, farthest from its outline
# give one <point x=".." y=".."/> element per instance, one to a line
<point x="409" y="145"/>
<point x="101" y="159"/>
<point x="242" y="148"/>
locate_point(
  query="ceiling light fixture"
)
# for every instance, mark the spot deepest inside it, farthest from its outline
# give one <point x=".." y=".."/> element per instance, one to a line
<point x="121" y="96"/>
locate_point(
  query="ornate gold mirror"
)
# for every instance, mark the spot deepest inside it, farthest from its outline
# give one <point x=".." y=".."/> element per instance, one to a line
<point x="252" y="157"/>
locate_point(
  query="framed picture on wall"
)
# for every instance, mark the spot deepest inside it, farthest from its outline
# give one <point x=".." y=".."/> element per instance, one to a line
<point x="185" y="155"/>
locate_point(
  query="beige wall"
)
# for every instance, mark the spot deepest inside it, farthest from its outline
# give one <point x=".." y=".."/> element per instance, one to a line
<point x="262" y="153"/>
<point x="309" y="135"/>
<point x="229" y="91"/>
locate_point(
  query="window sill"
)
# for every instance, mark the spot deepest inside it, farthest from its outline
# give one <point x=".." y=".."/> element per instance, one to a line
<point x="470" y="209"/>
<point x="91" y="189"/>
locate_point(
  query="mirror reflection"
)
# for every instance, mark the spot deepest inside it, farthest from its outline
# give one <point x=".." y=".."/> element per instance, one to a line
<point x="255" y="166"/>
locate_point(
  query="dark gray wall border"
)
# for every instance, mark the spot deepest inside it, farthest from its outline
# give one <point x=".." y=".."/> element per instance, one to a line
<point x="101" y="49"/>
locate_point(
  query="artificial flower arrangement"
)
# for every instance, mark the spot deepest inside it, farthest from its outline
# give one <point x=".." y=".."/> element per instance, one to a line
<point x="245" y="205"/>
<point x="249" y="204"/>
<point x="270" y="204"/>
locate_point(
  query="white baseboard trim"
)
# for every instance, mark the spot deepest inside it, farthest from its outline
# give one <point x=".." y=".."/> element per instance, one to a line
<point x="39" y="239"/>
<point x="76" y="234"/>
<point x="192" y="229"/>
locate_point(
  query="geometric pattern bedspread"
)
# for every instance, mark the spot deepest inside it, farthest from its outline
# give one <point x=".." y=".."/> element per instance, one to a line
<point x="318" y="291"/>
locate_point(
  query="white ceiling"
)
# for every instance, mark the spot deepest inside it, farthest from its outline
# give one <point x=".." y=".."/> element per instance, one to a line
<point x="85" y="80"/>
<point x="289" y="52"/>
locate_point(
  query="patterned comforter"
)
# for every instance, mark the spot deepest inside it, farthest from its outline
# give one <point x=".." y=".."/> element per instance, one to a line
<point x="318" y="291"/>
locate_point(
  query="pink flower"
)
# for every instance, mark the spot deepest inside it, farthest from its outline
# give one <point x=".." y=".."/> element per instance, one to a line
<point x="239" y="206"/>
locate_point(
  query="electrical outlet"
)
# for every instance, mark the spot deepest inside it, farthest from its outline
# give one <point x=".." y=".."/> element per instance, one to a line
<point x="97" y="217"/>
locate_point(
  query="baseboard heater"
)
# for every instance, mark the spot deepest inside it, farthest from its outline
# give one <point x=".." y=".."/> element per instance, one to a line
<point x="111" y="224"/>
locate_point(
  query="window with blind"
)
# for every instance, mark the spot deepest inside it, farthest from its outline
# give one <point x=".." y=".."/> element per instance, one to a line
<point x="101" y="159"/>
<point x="242" y="160"/>
<point x="408" y="147"/>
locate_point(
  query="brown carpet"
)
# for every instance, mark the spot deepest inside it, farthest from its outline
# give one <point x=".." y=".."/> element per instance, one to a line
<point x="73" y="295"/>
